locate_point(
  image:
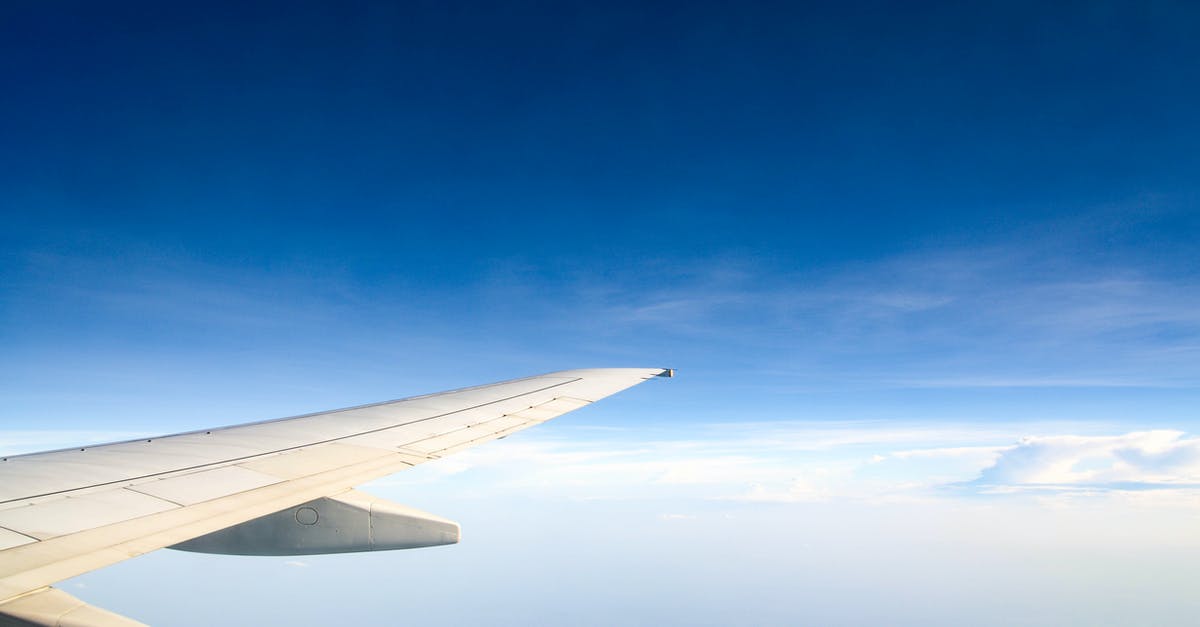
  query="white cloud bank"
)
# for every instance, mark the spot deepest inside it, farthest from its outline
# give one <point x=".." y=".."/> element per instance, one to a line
<point x="1158" y="458"/>
<point x="805" y="463"/>
<point x="774" y="524"/>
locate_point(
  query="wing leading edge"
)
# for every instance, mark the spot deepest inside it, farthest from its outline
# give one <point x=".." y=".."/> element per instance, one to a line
<point x="67" y="512"/>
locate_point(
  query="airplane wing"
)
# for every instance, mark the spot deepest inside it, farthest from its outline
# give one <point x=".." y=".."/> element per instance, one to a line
<point x="280" y="487"/>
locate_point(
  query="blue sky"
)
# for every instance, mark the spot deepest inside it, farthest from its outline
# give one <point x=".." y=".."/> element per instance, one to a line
<point x="929" y="276"/>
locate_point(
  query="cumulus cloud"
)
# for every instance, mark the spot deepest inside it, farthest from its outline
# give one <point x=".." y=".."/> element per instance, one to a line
<point x="1142" y="459"/>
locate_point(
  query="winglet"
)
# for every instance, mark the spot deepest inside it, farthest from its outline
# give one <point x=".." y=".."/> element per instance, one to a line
<point x="667" y="372"/>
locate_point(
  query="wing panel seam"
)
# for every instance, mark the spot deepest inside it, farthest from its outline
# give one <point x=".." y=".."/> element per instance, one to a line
<point x="21" y="533"/>
<point x="235" y="460"/>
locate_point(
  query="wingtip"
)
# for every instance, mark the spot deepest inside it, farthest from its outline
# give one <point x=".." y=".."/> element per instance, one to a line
<point x="667" y="372"/>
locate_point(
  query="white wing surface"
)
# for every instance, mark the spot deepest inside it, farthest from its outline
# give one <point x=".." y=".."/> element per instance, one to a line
<point x="67" y="512"/>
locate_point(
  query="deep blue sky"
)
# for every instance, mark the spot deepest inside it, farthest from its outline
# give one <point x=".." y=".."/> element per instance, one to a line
<point x="377" y="135"/>
<point x="815" y="198"/>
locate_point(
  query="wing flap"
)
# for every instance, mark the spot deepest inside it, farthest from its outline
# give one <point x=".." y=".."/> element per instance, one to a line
<point x="309" y="461"/>
<point x="205" y="485"/>
<point x="69" y="514"/>
<point x="10" y="538"/>
<point x="468" y="433"/>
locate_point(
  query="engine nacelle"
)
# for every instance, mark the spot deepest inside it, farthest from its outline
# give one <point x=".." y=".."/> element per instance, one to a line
<point x="350" y="522"/>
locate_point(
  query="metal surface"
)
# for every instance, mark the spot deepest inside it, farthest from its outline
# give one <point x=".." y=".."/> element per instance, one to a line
<point x="99" y="505"/>
<point x="51" y="607"/>
<point x="348" y="523"/>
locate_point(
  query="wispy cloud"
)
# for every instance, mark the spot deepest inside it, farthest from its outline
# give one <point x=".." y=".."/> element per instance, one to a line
<point x="1016" y="314"/>
<point x="1020" y="314"/>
